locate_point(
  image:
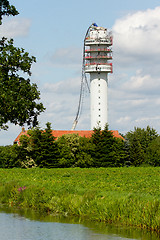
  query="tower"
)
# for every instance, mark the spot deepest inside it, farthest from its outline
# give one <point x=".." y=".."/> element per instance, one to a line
<point x="98" y="53"/>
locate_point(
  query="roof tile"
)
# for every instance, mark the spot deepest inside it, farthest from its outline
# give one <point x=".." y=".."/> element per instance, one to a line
<point x="59" y="133"/>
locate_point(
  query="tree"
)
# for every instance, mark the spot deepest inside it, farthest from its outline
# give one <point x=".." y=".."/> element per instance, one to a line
<point x="84" y="155"/>
<point x="8" y="157"/>
<point x="136" y="152"/>
<point x="23" y="153"/>
<point x="108" y="151"/>
<point x="18" y="97"/>
<point x="153" y="153"/>
<point x="119" y="153"/>
<point x="68" y="146"/>
<point x="6" y="9"/>
<point x="75" y="151"/>
<point x="138" y="142"/>
<point x="42" y="147"/>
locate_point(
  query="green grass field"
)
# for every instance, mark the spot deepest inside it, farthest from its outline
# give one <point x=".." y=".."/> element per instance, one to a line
<point x="129" y="196"/>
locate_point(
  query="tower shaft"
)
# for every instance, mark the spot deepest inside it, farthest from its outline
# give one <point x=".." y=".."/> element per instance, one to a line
<point x="98" y="99"/>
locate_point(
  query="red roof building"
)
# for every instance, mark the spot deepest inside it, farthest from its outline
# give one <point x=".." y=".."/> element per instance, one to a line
<point x="59" y="133"/>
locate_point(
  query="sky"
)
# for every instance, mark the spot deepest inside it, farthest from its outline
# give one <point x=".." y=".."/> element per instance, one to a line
<point x="54" y="31"/>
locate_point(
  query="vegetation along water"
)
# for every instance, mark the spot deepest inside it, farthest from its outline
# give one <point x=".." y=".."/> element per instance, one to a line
<point x="128" y="196"/>
<point x="18" y="224"/>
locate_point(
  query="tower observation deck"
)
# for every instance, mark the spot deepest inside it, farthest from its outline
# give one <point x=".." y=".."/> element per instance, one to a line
<point x="98" y="56"/>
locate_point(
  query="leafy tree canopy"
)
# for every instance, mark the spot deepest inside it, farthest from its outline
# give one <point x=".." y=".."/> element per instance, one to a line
<point x="69" y="148"/>
<point x="6" y="9"/>
<point x="18" y="97"/>
<point x="143" y="135"/>
<point x="74" y="151"/>
<point x="153" y="152"/>
<point x="41" y="146"/>
<point x="108" y="151"/>
<point x="138" y="142"/>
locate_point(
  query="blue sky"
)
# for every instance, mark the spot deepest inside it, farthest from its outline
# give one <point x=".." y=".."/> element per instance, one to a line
<point x="54" y="31"/>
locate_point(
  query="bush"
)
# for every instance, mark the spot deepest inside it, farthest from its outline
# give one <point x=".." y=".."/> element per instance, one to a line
<point x="8" y="157"/>
<point x="74" y="151"/>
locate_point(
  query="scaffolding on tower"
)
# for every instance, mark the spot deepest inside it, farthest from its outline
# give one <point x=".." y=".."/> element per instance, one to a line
<point x="83" y="82"/>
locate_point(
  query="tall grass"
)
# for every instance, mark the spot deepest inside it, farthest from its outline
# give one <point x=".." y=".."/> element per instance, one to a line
<point x="129" y="196"/>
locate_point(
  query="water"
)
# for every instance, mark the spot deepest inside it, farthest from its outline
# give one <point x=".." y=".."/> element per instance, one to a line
<point x="31" y="226"/>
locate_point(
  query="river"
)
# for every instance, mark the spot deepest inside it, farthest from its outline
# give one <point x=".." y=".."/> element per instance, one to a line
<point x="28" y="225"/>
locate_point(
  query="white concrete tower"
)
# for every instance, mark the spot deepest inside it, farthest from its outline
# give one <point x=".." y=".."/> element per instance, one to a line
<point x="98" y="54"/>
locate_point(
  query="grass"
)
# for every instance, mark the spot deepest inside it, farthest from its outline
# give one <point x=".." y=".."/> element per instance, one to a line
<point x="130" y="196"/>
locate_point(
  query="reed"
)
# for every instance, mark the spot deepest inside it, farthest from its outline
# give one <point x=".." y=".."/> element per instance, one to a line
<point x="128" y="196"/>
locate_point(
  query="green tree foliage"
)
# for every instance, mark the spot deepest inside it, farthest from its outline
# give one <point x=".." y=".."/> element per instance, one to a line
<point x="75" y="151"/>
<point x="108" y="151"/>
<point x="18" y="97"/>
<point x="153" y="153"/>
<point x="6" y="9"/>
<point x="23" y="153"/>
<point x="138" y="142"/>
<point x="68" y="146"/>
<point x="84" y="156"/>
<point x="119" y="153"/>
<point x="39" y="148"/>
<point x="8" y="157"/>
<point x="136" y="152"/>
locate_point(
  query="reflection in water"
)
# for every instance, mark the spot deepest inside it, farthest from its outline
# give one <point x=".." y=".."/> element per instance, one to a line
<point x="14" y="226"/>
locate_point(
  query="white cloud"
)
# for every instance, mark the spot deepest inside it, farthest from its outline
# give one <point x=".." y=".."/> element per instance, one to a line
<point x="70" y="56"/>
<point x="144" y="84"/>
<point x="70" y="86"/>
<point x="134" y="103"/>
<point x="61" y="102"/>
<point x="123" y="119"/>
<point x="135" y="84"/>
<point x="143" y="119"/>
<point x="137" y="36"/>
<point x="18" y="27"/>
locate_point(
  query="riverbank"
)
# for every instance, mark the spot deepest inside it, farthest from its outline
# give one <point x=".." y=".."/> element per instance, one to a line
<point x="129" y="196"/>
